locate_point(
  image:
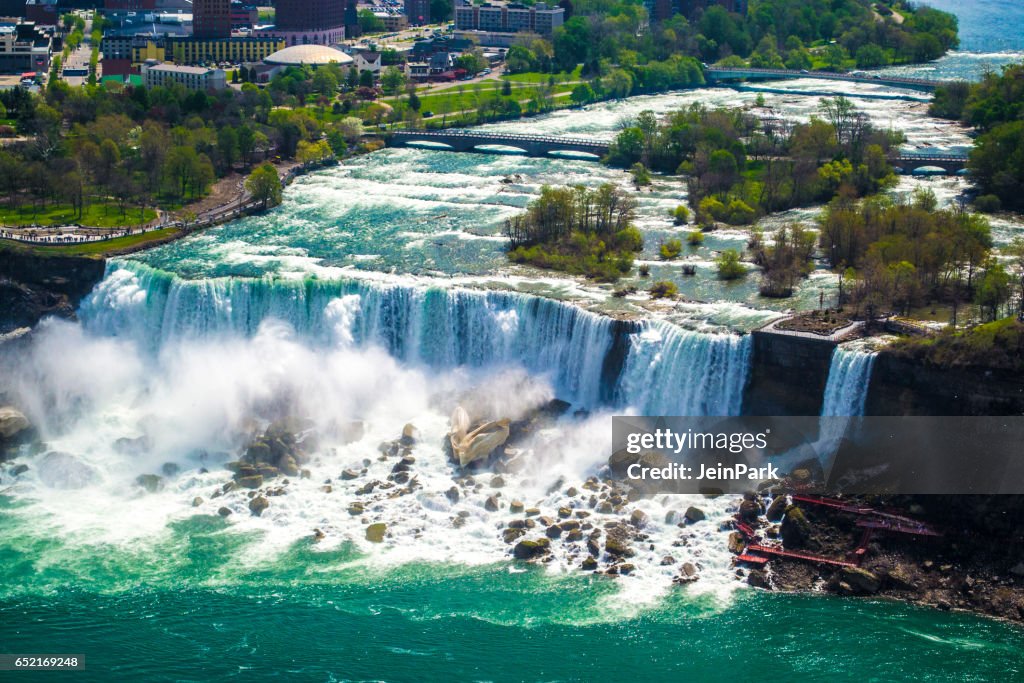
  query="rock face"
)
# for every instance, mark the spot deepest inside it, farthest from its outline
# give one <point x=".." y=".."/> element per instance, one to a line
<point x="856" y="581"/>
<point x="282" y="448"/>
<point x="34" y="286"/>
<point x="59" y="470"/>
<point x="469" y="446"/>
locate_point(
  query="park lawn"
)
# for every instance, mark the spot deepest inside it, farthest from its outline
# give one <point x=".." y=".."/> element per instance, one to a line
<point x="103" y="248"/>
<point x="537" y="77"/>
<point x="94" y="216"/>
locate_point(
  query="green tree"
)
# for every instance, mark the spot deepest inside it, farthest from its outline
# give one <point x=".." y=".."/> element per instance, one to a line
<point x="729" y="265"/>
<point x="264" y="185"/>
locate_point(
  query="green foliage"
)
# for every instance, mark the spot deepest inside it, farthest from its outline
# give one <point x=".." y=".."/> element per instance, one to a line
<point x="670" y="249"/>
<point x="995" y="345"/>
<point x="988" y="203"/>
<point x="997" y="163"/>
<point x="664" y="289"/>
<point x="681" y="215"/>
<point x="577" y="230"/>
<point x="729" y="265"/>
<point x="264" y="185"/>
<point x="695" y="238"/>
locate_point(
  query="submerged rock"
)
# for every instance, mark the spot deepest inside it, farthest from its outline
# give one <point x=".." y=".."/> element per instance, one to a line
<point x="59" y="470"/>
<point x="150" y="482"/>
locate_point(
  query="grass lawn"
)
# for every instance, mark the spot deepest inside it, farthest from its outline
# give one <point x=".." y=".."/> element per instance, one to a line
<point x="538" y="78"/>
<point x="92" y="248"/>
<point x="95" y="215"/>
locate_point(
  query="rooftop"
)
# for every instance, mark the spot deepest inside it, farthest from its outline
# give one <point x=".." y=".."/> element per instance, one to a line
<point x="308" y="54"/>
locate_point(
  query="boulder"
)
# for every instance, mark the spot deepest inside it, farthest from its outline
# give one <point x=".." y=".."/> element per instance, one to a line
<point x="758" y="579"/>
<point x="589" y="564"/>
<point x="638" y="519"/>
<point x="170" y="469"/>
<point x="12" y="423"/>
<point x="795" y="529"/>
<point x="688" y="571"/>
<point x="512" y="534"/>
<point x="694" y="515"/>
<point x="515" y="506"/>
<point x="618" y="547"/>
<point x="257" y="505"/>
<point x="356" y="509"/>
<point x="58" y="470"/>
<point x="223" y="512"/>
<point x="197" y="501"/>
<point x="19" y="469"/>
<point x="349" y="474"/>
<point x="288" y="466"/>
<point x="860" y="581"/>
<point x="491" y="504"/>
<point x="497" y="482"/>
<point x="452" y="494"/>
<point x="132" y="447"/>
<point x="736" y="543"/>
<point x="749" y="511"/>
<point x="375" y="532"/>
<point x="529" y="550"/>
<point x="150" y="482"/>
<point x="777" y="509"/>
<point x="409" y="433"/>
<point x="667" y="560"/>
<point x="251" y="481"/>
<point x="478" y="444"/>
<point x="553" y="531"/>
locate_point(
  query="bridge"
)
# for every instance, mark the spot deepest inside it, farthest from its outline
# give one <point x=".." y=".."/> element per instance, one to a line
<point x="473" y="141"/>
<point x="951" y="164"/>
<point x="715" y="75"/>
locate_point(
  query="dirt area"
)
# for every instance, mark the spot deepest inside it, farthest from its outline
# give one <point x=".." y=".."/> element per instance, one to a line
<point x="826" y="323"/>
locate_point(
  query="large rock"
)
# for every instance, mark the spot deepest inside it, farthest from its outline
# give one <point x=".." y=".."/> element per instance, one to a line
<point x="795" y="529"/>
<point x="861" y="581"/>
<point x="257" y="505"/>
<point x="470" y="446"/>
<point x="150" y="482"/>
<point x="777" y="509"/>
<point x="529" y="550"/>
<point x="59" y="470"/>
<point x="12" y="423"/>
<point x="375" y="532"/>
<point x="694" y="515"/>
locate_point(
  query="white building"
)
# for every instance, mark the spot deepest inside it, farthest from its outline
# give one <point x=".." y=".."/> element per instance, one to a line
<point x="191" y="77"/>
<point x="366" y="60"/>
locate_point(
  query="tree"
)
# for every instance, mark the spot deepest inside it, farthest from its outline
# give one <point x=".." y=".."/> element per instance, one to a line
<point x="313" y="152"/>
<point x="325" y="82"/>
<point x="582" y="94"/>
<point x="264" y="185"/>
<point x="729" y="265"/>
<point x="392" y="80"/>
<point x="993" y="289"/>
<point x="228" y="146"/>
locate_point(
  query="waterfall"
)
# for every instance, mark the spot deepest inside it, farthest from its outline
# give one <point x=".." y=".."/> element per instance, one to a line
<point x="593" y="360"/>
<point x="848" y="379"/>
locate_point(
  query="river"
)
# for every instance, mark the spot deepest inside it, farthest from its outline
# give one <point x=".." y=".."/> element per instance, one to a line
<point x="379" y="292"/>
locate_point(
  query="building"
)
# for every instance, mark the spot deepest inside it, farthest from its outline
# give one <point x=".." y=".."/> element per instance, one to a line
<point x="42" y="12"/>
<point x="307" y="22"/>
<point x="236" y="50"/>
<point x="243" y="15"/>
<point x="313" y="55"/>
<point x="190" y="77"/>
<point x="211" y="18"/>
<point x="367" y="60"/>
<point x="418" y="12"/>
<point x="24" y="47"/>
<point x="497" y="18"/>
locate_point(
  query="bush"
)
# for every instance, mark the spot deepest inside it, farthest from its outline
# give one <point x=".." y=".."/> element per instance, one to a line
<point x="710" y="210"/>
<point x="988" y="203"/>
<point x="695" y="238"/>
<point x="664" y="289"/>
<point x="739" y="213"/>
<point x="670" y="249"/>
<point x="729" y="265"/>
<point x="645" y="270"/>
<point x="629" y="239"/>
<point x="681" y="214"/>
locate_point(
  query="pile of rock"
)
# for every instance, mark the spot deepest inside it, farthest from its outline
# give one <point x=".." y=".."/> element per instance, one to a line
<point x="280" y="450"/>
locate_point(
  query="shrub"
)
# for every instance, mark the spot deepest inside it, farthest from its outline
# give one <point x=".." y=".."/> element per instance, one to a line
<point x="629" y="239"/>
<point x="988" y="203"/>
<point x="645" y="270"/>
<point x="710" y="209"/>
<point x="695" y="238"/>
<point x="670" y="249"/>
<point x="739" y="213"/>
<point x="681" y="214"/>
<point x="663" y="289"/>
<point x="729" y="265"/>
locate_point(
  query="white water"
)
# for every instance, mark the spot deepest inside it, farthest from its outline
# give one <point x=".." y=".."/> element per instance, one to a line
<point x="848" y="380"/>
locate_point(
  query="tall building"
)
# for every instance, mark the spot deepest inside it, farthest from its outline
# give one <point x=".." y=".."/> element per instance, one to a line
<point x="418" y="12"/>
<point x="493" y="17"/>
<point x="308" y="22"/>
<point x="211" y="18"/>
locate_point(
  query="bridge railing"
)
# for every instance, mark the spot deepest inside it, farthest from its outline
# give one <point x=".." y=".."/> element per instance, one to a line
<point x="520" y="137"/>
